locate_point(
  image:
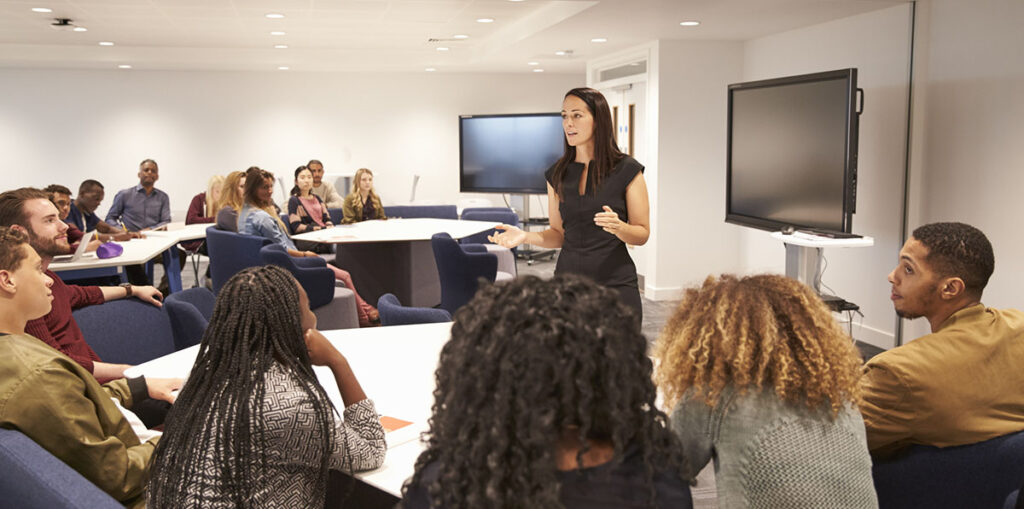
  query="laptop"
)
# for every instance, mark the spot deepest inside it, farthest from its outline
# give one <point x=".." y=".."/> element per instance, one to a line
<point x="80" y="252"/>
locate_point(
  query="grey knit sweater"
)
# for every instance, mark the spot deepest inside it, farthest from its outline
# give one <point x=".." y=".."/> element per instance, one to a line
<point x="771" y="454"/>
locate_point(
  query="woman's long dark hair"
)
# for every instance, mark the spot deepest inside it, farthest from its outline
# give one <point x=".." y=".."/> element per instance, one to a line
<point x="606" y="151"/>
<point x="218" y="417"/>
<point x="295" y="189"/>
<point x="528" y="360"/>
<point x="255" y="178"/>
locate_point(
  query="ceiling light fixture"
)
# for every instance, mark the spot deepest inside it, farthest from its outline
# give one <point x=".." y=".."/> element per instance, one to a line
<point x="106" y="43"/>
<point x="533" y="63"/>
<point x="689" y="23"/>
<point x="277" y="33"/>
<point x="280" y="46"/>
<point x="124" y="66"/>
<point x="42" y="9"/>
<point x="460" y="36"/>
<point x="430" y="69"/>
<point x="538" y="70"/>
<point x="274" y="15"/>
<point x="79" y="29"/>
<point x="485" y="20"/>
<point x="441" y="48"/>
<point x="282" y="68"/>
<point x="599" y="39"/>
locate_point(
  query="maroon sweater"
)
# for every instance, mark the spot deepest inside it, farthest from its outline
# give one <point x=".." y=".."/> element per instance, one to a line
<point x="58" y="328"/>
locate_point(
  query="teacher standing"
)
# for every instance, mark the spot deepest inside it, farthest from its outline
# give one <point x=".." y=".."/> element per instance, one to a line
<point x="597" y="201"/>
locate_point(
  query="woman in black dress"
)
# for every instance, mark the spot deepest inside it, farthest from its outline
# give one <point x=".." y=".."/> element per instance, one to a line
<point x="597" y="201"/>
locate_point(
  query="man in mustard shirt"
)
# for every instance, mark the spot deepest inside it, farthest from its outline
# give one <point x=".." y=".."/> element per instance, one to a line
<point x="964" y="382"/>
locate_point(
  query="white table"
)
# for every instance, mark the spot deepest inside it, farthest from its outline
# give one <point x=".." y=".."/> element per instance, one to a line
<point x="182" y="232"/>
<point x="395" y="365"/>
<point x="136" y="252"/>
<point x="394" y="255"/>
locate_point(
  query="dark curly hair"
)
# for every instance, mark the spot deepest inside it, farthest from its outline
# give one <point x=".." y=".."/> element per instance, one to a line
<point x="958" y="249"/>
<point x="527" y="361"/>
<point x="219" y="414"/>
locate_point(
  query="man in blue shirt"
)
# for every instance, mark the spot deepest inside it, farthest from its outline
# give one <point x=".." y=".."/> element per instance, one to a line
<point x="82" y="214"/>
<point x="142" y="206"/>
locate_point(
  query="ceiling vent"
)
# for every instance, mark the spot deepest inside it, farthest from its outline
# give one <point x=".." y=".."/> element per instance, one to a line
<point x="64" y="24"/>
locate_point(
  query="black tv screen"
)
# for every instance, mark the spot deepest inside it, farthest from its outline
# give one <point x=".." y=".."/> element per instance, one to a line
<point x="792" y="152"/>
<point x="508" y="153"/>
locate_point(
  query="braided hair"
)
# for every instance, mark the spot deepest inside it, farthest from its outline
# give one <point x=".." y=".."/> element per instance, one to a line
<point x="217" y="420"/>
<point x="527" y="361"/>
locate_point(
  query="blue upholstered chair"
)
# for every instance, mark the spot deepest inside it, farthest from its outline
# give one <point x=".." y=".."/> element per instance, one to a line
<point x="975" y="475"/>
<point x="231" y="252"/>
<point x="412" y="211"/>
<point x="333" y="305"/>
<point x="392" y="312"/>
<point x="35" y="479"/>
<point x="460" y="267"/>
<point x="504" y="215"/>
<point x="337" y="214"/>
<point x="126" y="331"/>
<point x="189" y="312"/>
<point x="1013" y="501"/>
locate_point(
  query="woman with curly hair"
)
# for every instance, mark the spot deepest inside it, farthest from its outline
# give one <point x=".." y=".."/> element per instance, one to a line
<point x="544" y="399"/>
<point x="764" y="381"/>
<point x="253" y="427"/>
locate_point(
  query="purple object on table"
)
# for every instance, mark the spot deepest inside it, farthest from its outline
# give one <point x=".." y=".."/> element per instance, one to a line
<point x="109" y="250"/>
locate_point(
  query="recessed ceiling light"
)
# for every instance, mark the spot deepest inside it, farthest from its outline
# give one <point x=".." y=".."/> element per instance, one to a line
<point x="533" y="63"/>
<point x="80" y="29"/>
<point x="282" y="68"/>
<point x="485" y="20"/>
<point x="277" y="33"/>
<point x="441" y="48"/>
<point x="538" y="70"/>
<point x="560" y="53"/>
<point x="274" y="15"/>
<point x="124" y="66"/>
<point x="690" y="23"/>
<point x="280" y="46"/>
<point x="515" y="0"/>
<point x="106" y="43"/>
<point x="42" y="9"/>
<point x="430" y="69"/>
<point x="460" y="36"/>
<point x="599" y="39"/>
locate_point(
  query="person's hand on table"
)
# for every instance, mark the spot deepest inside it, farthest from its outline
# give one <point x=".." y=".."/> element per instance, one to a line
<point x="509" y="237"/>
<point x="608" y="220"/>
<point x="161" y="388"/>
<point x="148" y="294"/>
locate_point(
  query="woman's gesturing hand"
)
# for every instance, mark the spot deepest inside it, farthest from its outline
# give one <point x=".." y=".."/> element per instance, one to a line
<point x="509" y="237"/>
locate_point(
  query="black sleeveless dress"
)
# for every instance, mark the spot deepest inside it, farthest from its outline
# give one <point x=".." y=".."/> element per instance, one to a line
<point x="587" y="249"/>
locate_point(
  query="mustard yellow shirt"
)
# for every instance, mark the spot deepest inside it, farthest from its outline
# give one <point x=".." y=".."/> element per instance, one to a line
<point x="962" y="384"/>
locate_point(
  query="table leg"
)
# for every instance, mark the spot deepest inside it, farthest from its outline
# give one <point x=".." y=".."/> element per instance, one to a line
<point x="172" y="269"/>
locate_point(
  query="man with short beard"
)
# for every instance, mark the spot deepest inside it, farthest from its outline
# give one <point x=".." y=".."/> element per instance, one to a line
<point x="964" y="382"/>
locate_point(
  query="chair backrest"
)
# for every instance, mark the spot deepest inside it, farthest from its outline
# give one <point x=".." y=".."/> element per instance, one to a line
<point x="231" y="252"/>
<point x="392" y="312"/>
<point x="337" y="214"/>
<point x="411" y="211"/>
<point x="35" y="479"/>
<point x="460" y="271"/>
<point x="126" y="331"/>
<point x="503" y="215"/>
<point x="975" y="475"/>
<point x="189" y="312"/>
<point x="318" y="281"/>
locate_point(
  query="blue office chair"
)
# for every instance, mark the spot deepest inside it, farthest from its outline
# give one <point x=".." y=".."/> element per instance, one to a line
<point x="497" y="214"/>
<point x="126" y="331"/>
<point x="35" y="479"/>
<point x="392" y="312"/>
<point x="189" y="312"/>
<point x="231" y="252"/>
<point x="974" y="475"/>
<point x="333" y="305"/>
<point x="459" y="269"/>
<point x="337" y="214"/>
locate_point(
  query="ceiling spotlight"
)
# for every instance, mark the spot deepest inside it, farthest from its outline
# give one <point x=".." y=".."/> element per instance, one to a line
<point x="485" y="20"/>
<point x="106" y="43"/>
<point x="538" y="70"/>
<point x="282" y="68"/>
<point x="274" y="15"/>
<point x="277" y="33"/>
<point x="460" y="36"/>
<point x="124" y="66"/>
<point x="533" y="63"/>
<point x="690" y="23"/>
<point x="79" y="29"/>
<point x="280" y="46"/>
<point x="599" y="39"/>
<point x="42" y="9"/>
<point x="441" y="48"/>
<point x="430" y="69"/>
<point x="560" y="53"/>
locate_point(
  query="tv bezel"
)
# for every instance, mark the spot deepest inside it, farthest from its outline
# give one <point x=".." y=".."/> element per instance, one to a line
<point x="849" y="164"/>
<point x="498" y="190"/>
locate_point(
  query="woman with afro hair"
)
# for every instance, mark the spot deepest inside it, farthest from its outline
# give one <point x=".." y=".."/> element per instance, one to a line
<point x="544" y="399"/>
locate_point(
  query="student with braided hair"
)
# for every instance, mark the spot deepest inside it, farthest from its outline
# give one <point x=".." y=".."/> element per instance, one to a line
<point x="764" y="381"/>
<point x="544" y="398"/>
<point x="252" y="426"/>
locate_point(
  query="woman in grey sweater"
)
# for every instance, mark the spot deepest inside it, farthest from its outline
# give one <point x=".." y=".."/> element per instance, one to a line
<point x="764" y="381"/>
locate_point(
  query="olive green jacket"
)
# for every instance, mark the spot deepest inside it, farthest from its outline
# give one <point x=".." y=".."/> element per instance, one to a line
<point x="58" y="404"/>
<point x="352" y="209"/>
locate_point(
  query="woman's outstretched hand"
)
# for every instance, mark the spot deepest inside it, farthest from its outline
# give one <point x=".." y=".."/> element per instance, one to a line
<point x="509" y="237"/>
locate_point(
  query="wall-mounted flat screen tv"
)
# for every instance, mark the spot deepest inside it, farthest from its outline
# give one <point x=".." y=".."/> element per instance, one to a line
<point x="508" y="153"/>
<point x="792" y="152"/>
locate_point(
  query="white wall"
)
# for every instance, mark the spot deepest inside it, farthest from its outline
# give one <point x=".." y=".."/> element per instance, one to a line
<point x="878" y="45"/>
<point x="67" y="126"/>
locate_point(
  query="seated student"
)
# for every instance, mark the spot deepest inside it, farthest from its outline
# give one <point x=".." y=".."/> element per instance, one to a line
<point x="306" y="211"/>
<point x="362" y="203"/>
<point x="544" y="398"/>
<point x="258" y="217"/>
<point x="964" y="382"/>
<point x="82" y="214"/>
<point x="764" y="382"/>
<point x="231" y="201"/>
<point x="203" y="209"/>
<point x="253" y="427"/>
<point x="30" y="211"/>
<point x="60" y="196"/>
<point x="54" y="400"/>
<point x="324" y="190"/>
